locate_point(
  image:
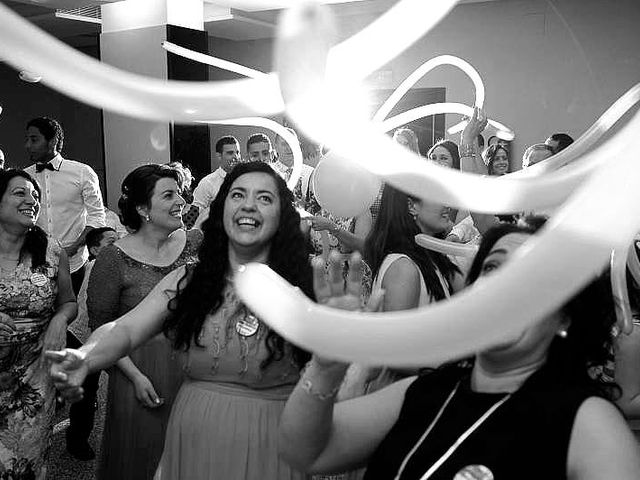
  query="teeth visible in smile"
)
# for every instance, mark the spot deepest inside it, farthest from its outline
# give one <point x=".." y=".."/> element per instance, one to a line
<point x="247" y="221"/>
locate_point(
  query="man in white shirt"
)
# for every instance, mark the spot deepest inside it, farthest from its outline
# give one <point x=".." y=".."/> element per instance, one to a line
<point x="228" y="152"/>
<point x="70" y="207"/>
<point x="259" y="148"/>
<point x="71" y="203"/>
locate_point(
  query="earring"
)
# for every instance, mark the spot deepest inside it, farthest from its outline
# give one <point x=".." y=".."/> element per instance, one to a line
<point x="147" y="218"/>
<point x="562" y="333"/>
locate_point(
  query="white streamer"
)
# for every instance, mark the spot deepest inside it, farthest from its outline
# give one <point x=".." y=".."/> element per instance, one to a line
<point x="25" y="46"/>
<point x="445" y="247"/>
<point x="421" y="71"/>
<point x="633" y="263"/>
<point x="588" y="139"/>
<point x="213" y="61"/>
<point x="619" y="290"/>
<point x="288" y="137"/>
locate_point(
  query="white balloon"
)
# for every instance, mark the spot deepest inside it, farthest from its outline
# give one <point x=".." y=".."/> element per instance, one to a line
<point x="342" y="188"/>
<point x="29" y="77"/>
<point x="159" y="138"/>
<point x="314" y="109"/>
<point x="445" y="247"/>
<point x="588" y="139"/>
<point x="573" y="247"/>
<point x="25" y="46"/>
<point x="421" y="71"/>
<point x="351" y="59"/>
<point x="633" y="263"/>
<point x="436" y="109"/>
<point x="291" y="140"/>
<point x="288" y="137"/>
<point x="213" y="61"/>
<point x="619" y="290"/>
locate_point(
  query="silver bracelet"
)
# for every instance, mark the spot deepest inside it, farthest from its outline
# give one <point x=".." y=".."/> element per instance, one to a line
<point x="307" y="386"/>
<point x="466" y="151"/>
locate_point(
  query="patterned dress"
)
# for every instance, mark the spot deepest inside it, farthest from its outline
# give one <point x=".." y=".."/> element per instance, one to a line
<point x="27" y="395"/>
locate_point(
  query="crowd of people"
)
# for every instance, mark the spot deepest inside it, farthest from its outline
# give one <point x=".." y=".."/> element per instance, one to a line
<point x="201" y="388"/>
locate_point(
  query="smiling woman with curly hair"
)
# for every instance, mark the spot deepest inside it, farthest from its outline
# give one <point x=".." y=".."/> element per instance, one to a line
<point x="239" y="373"/>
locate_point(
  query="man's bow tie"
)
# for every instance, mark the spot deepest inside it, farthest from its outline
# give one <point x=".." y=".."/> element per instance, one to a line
<point x="42" y="166"/>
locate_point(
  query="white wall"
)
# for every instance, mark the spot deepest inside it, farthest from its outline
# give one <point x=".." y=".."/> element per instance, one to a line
<point x="130" y="142"/>
<point x="548" y="65"/>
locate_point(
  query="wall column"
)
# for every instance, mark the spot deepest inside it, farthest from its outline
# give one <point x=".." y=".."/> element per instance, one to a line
<point x="132" y="34"/>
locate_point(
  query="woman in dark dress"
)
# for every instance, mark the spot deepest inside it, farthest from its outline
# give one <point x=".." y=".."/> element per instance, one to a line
<point x="528" y="408"/>
<point x="143" y="385"/>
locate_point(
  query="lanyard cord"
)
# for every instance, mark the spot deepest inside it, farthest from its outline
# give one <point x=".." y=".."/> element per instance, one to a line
<point x="455" y="445"/>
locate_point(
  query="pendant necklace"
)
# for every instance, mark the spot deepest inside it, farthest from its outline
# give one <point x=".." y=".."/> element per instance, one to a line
<point x="456" y="444"/>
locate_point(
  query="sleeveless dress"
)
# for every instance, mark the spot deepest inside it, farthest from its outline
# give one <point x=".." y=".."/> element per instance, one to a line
<point x="133" y="435"/>
<point x="388" y="376"/>
<point x="525" y="438"/>
<point x="27" y="395"/>
<point x="358" y="381"/>
<point x="224" y="422"/>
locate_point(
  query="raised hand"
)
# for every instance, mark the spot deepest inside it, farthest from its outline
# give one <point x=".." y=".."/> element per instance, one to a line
<point x="332" y="290"/>
<point x="68" y="371"/>
<point x="475" y="126"/>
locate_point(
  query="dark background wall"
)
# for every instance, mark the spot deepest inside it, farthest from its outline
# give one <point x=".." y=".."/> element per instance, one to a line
<point x="22" y="101"/>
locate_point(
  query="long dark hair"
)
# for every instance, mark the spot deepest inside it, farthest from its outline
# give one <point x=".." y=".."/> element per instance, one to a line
<point x="581" y="356"/>
<point x="489" y="156"/>
<point x="394" y="231"/>
<point x="452" y="148"/>
<point x="200" y="291"/>
<point x="35" y="240"/>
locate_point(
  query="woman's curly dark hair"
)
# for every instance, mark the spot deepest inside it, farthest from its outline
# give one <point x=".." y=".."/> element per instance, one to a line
<point x="394" y="231"/>
<point x="35" y="240"/>
<point x="200" y="291"/>
<point x="581" y="357"/>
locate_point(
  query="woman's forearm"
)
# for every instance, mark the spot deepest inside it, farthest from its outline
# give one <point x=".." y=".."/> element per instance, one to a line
<point x="306" y="422"/>
<point x="126" y="365"/>
<point x="106" y="345"/>
<point x="67" y="311"/>
<point x="349" y="240"/>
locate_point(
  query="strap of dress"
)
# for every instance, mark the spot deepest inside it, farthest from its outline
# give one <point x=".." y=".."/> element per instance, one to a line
<point x="425" y="297"/>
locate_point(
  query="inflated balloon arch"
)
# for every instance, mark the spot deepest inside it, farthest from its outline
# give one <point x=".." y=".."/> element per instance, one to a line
<point x="317" y="83"/>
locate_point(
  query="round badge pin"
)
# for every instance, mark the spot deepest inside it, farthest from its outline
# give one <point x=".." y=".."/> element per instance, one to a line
<point x="38" y="279"/>
<point x="247" y="325"/>
<point x="474" y="472"/>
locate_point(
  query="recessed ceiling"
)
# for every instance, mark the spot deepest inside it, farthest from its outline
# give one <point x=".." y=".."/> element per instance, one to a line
<point x="253" y="22"/>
